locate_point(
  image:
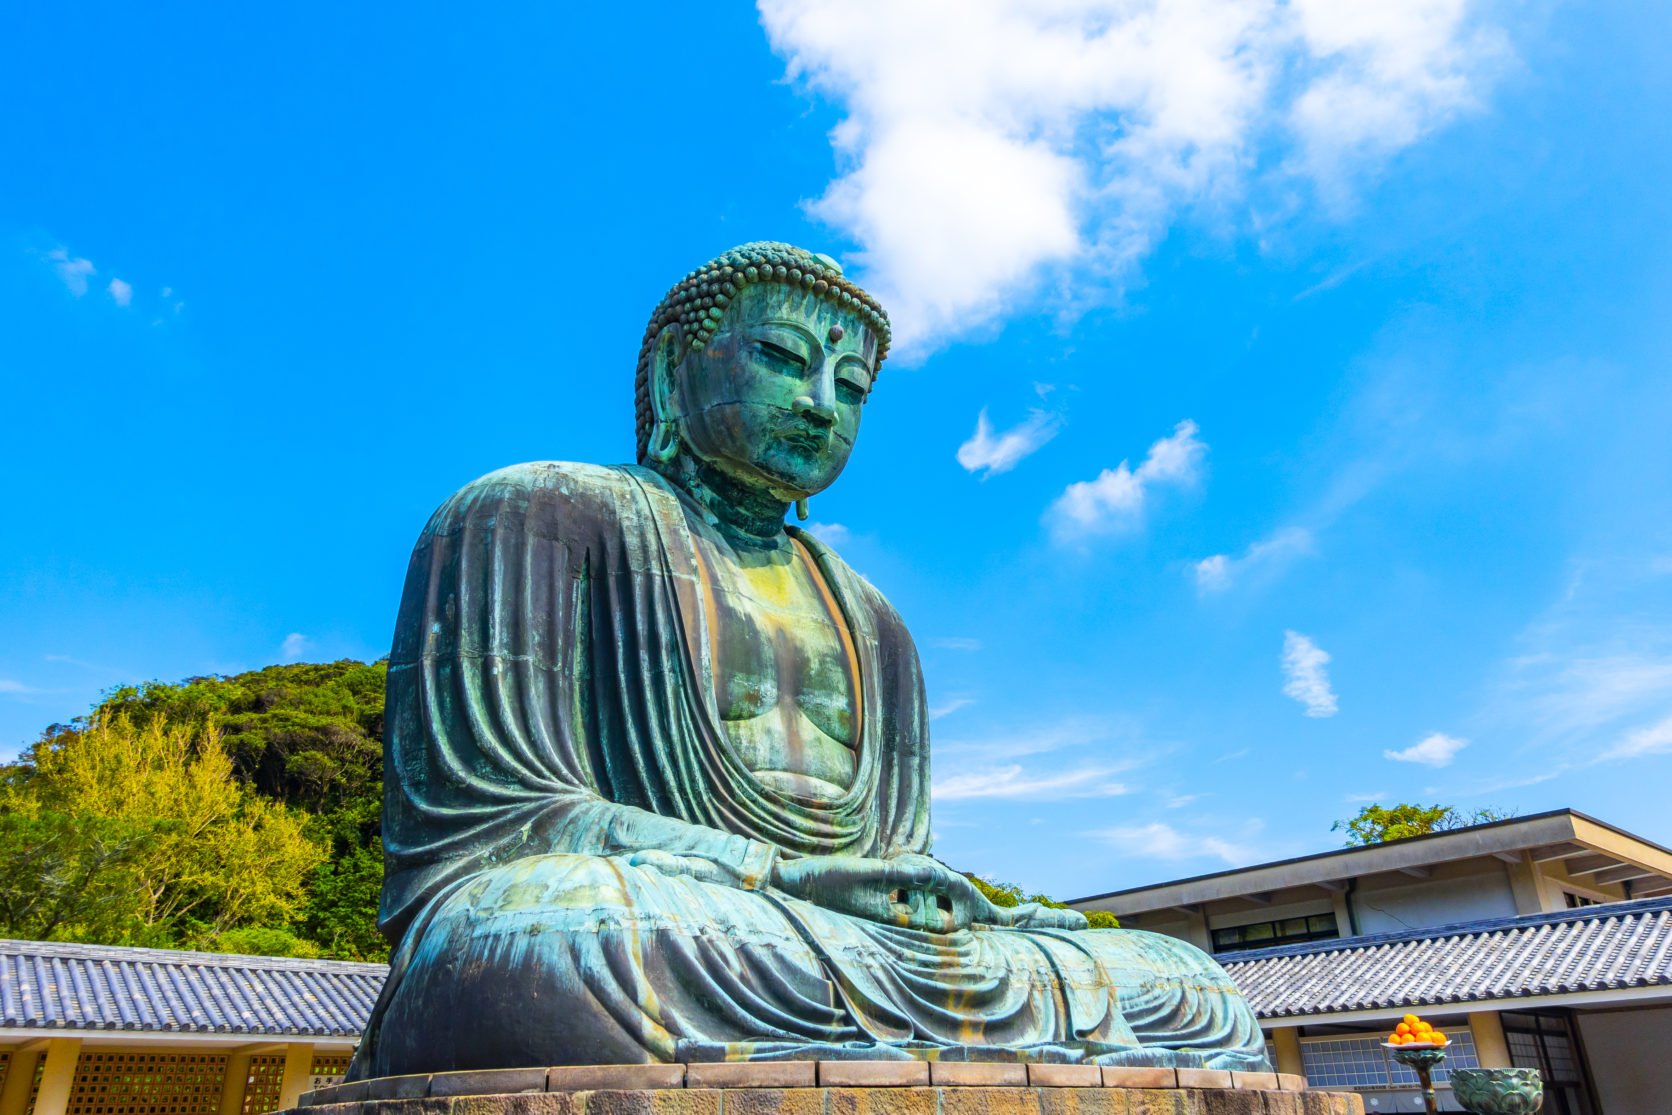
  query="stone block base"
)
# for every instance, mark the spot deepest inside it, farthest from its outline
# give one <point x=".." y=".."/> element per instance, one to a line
<point x="759" y="1088"/>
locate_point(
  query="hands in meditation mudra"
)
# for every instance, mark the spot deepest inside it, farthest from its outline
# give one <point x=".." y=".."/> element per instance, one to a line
<point x="657" y="766"/>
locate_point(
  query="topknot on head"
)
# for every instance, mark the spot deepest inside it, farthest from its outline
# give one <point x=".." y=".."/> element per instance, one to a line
<point x="698" y="301"/>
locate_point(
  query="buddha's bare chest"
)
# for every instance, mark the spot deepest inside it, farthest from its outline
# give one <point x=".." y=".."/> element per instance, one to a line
<point x="783" y="674"/>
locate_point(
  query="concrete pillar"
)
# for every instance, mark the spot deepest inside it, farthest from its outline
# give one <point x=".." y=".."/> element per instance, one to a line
<point x="1287" y="1041"/>
<point x="20" y="1075"/>
<point x="298" y="1073"/>
<point x="1526" y="883"/>
<point x="1490" y="1046"/>
<point x="232" y="1087"/>
<point x="57" y="1076"/>
<point x="1196" y="928"/>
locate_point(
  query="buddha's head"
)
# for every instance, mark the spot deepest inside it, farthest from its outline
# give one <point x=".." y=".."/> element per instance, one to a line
<point x="757" y="366"/>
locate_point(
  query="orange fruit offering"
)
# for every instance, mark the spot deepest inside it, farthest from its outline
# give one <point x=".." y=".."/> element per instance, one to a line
<point x="1414" y="1031"/>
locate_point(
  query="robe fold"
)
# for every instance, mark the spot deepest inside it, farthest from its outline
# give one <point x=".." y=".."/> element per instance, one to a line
<point x="552" y="736"/>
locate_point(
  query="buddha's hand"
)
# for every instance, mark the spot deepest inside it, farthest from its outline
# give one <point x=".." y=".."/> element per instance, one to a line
<point x="1031" y="915"/>
<point x="912" y="891"/>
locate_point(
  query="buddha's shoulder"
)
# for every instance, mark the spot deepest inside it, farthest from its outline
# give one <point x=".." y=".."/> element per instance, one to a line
<point x="566" y="488"/>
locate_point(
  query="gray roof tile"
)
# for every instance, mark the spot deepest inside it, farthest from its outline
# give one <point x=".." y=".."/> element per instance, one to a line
<point x="103" y="987"/>
<point x="1595" y="948"/>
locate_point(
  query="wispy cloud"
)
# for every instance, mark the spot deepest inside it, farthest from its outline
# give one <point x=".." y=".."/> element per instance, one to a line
<point x="295" y="645"/>
<point x="1436" y="750"/>
<point x="956" y="644"/>
<point x="1305" y="678"/>
<point x="1654" y="739"/>
<point x="1115" y="499"/>
<point x="1013" y="781"/>
<point x="7" y="685"/>
<point x="991" y="455"/>
<point x="991" y="148"/>
<point x="1221" y="571"/>
<point x="1003" y="746"/>
<point x="73" y="271"/>
<point x="831" y="534"/>
<point x="1157" y="840"/>
<point x="952" y="705"/>
<point x="1376" y="796"/>
<point x="121" y="293"/>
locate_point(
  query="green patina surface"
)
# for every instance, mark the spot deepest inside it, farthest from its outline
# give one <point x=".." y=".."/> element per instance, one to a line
<point x="657" y="765"/>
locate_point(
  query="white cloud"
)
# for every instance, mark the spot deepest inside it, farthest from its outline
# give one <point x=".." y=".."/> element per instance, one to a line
<point x="952" y="705"/>
<point x="121" y="293"/>
<point x="1377" y="796"/>
<point x="991" y="143"/>
<point x="72" y="270"/>
<point x="831" y="534"/>
<point x="992" y="455"/>
<point x="1161" y="841"/>
<point x="1115" y="499"/>
<point x="1011" y="781"/>
<point x="1305" y="678"/>
<point x="956" y="644"/>
<point x="1655" y="739"/>
<point x="1436" y="750"/>
<point x="1219" y="572"/>
<point x="7" y="685"/>
<point x="295" y="645"/>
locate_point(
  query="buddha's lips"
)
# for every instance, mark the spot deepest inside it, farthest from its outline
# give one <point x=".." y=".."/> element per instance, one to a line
<point x="814" y="441"/>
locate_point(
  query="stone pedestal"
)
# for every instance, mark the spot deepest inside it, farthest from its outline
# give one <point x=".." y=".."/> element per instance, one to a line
<point x="832" y="1088"/>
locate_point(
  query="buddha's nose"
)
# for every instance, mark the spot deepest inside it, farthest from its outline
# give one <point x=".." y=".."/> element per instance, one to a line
<point x="811" y="409"/>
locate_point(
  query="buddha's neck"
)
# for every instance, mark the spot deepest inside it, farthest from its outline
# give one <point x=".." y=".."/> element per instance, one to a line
<point x="748" y="511"/>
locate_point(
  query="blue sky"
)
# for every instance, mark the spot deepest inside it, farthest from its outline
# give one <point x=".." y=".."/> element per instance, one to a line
<point x="1323" y="355"/>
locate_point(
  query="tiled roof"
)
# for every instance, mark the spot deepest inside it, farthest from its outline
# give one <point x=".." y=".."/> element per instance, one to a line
<point x="1595" y="948"/>
<point x="100" y="987"/>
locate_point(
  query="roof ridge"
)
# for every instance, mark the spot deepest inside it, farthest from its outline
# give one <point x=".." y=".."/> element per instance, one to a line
<point x="1457" y="929"/>
<point x="127" y="953"/>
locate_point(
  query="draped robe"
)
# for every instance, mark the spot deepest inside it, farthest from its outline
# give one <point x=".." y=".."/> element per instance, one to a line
<point x="552" y="718"/>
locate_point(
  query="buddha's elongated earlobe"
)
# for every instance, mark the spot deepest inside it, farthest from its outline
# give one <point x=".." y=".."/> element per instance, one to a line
<point x="801" y="509"/>
<point x="663" y="445"/>
<point x="664" y="441"/>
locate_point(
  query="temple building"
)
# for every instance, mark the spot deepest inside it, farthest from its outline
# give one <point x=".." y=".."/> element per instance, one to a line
<point x="1542" y="941"/>
<point x="98" y="1030"/>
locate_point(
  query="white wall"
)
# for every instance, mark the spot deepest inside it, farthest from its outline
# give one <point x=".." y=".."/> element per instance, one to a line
<point x="1630" y="1052"/>
<point x="1455" y="892"/>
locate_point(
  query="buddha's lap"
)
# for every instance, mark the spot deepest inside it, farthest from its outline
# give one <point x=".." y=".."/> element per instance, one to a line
<point x="557" y="911"/>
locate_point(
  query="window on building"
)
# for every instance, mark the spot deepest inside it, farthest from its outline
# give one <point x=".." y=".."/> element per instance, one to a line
<point x="1575" y="901"/>
<point x="1363" y="1062"/>
<point x="1545" y="1042"/>
<point x="1264" y="934"/>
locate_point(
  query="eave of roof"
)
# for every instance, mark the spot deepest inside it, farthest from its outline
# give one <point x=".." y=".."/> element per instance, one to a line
<point x="1334" y="864"/>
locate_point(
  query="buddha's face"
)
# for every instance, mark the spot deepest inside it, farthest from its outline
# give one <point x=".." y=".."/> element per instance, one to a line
<point x="774" y="400"/>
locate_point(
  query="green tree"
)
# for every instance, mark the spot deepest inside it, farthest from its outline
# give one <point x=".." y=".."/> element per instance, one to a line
<point x="149" y="820"/>
<point x="1376" y="825"/>
<point x="308" y="735"/>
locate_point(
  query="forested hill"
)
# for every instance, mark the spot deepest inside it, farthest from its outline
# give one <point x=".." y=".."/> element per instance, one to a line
<point x="304" y="738"/>
<point x="232" y="814"/>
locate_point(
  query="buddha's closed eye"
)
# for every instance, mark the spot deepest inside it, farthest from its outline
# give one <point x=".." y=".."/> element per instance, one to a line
<point x="780" y="359"/>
